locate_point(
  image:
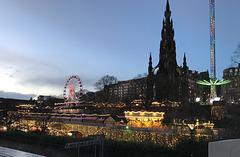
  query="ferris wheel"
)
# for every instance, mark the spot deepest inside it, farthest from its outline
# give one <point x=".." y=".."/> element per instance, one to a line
<point x="72" y="90"/>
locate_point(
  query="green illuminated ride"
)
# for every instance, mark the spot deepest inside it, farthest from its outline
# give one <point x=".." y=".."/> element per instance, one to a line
<point x="213" y="80"/>
<point x="213" y="83"/>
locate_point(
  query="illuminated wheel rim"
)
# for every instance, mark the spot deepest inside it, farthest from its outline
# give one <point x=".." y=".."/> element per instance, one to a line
<point x="72" y="90"/>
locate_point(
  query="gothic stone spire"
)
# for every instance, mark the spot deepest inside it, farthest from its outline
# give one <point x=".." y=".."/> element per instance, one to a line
<point x="185" y="67"/>
<point x="150" y="64"/>
<point x="167" y="63"/>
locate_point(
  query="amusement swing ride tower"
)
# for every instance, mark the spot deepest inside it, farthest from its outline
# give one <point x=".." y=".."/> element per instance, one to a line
<point x="213" y="80"/>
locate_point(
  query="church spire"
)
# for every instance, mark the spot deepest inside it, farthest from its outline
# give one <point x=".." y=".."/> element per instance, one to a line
<point x="150" y="82"/>
<point x="150" y="64"/>
<point x="184" y="60"/>
<point x="167" y="63"/>
<point x="167" y="6"/>
<point x="167" y="12"/>
<point x="185" y="67"/>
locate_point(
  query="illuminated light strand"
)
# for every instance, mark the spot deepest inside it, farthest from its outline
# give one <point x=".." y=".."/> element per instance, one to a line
<point x="212" y="42"/>
<point x="213" y="80"/>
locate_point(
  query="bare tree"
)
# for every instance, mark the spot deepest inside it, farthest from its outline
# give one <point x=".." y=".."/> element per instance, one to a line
<point x="105" y="80"/>
<point x="43" y="120"/>
<point x="235" y="58"/>
<point x="9" y="114"/>
<point x="88" y="95"/>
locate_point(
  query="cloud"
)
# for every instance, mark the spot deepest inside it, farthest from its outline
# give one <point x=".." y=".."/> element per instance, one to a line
<point x="10" y="75"/>
<point x="44" y="81"/>
<point x="16" y="95"/>
<point x="56" y="82"/>
<point x="20" y="58"/>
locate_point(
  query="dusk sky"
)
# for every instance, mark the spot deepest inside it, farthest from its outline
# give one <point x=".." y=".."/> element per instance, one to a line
<point x="42" y="42"/>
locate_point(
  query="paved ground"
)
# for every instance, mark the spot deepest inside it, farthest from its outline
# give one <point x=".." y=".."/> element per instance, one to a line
<point x="8" y="152"/>
<point x="36" y="149"/>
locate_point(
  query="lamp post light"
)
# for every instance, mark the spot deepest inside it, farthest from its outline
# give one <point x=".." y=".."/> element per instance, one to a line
<point x="191" y="127"/>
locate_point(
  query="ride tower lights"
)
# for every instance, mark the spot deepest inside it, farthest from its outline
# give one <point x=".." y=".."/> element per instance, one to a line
<point x="213" y="80"/>
<point x="212" y="48"/>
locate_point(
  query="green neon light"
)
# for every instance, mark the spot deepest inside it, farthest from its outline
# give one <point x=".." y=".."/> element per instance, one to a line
<point x="213" y="82"/>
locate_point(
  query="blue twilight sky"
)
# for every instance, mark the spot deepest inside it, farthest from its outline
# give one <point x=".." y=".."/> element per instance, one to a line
<point x="42" y="42"/>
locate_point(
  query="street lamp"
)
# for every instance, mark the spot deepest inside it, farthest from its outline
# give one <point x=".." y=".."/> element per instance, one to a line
<point x="191" y="127"/>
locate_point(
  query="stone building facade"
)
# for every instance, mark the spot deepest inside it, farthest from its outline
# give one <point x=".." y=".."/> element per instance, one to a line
<point x="166" y="80"/>
<point x="231" y="91"/>
<point x="127" y="91"/>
